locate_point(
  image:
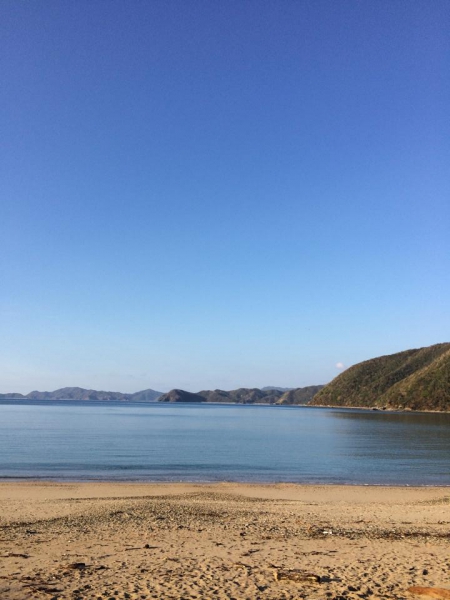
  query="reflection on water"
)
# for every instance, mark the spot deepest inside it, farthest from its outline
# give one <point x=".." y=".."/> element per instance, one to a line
<point x="71" y="440"/>
<point x="415" y="440"/>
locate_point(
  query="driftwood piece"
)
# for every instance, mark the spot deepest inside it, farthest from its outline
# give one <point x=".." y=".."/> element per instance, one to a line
<point x="295" y="575"/>
<point x="431" y="592"/>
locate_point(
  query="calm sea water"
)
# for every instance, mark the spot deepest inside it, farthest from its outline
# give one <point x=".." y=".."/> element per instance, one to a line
<point x="160" y="442"/>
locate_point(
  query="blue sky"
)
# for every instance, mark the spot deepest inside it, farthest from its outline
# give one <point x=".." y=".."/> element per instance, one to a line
<point x="220" y="194"/>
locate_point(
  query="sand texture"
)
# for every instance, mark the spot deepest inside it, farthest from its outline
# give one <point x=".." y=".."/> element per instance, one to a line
<point x="222" y="541"/>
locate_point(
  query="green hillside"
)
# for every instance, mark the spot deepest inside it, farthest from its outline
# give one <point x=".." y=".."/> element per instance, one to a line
<point x="416" y="379"/>
<point x="244" y="396"/>
<point x="299" y="395"/>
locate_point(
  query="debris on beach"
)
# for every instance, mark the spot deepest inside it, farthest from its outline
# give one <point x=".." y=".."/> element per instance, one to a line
<point x="296" y="575"/>
<point x="430" y="592"/>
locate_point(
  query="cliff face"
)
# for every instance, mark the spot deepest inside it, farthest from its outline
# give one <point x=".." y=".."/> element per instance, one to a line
<point x="417" y="379"/>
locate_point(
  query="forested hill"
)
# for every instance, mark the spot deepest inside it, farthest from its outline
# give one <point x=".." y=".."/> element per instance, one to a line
<point x="416" y="379"/>
<point x="245" y="396"/>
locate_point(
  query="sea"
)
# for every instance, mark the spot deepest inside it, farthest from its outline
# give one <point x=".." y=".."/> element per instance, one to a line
<point x="112" y="441"/>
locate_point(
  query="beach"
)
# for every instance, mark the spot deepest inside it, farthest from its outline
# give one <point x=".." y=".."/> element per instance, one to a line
<point x="224" y="541"/>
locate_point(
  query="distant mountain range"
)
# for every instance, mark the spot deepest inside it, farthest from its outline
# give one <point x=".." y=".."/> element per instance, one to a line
<point x="278" y="389"/>
<point x="417" y="379"/>
<point x="76" y="393"/>
<point x="240" y="396"/>
<point x="245" y="396"/>
<point x="267" y="395"/>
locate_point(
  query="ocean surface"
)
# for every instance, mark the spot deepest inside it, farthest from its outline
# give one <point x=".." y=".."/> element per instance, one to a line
<point x="158" y="442"/>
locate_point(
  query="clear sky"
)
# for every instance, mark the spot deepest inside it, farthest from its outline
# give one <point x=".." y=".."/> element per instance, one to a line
<point x="204" y="194"/>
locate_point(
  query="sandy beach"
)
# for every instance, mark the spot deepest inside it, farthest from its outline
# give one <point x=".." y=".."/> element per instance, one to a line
<point x="223" y="541"/>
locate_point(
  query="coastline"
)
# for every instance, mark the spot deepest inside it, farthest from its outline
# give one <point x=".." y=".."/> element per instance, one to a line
<point x="388" y="410"/>
<point x="45" y="480"/>
<point x="222" y="540"/>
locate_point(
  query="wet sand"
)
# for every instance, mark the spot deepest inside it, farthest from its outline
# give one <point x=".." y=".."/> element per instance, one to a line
<point x="224" y="541"/>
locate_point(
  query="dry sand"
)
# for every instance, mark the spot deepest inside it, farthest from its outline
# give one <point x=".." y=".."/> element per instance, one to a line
<point x="221" y="541"/>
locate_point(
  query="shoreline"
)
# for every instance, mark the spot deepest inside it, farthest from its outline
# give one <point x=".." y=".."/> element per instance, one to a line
<point x="374" y="408"/>
<point x="45" y="480"/>
<point x="142" y="541"/>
